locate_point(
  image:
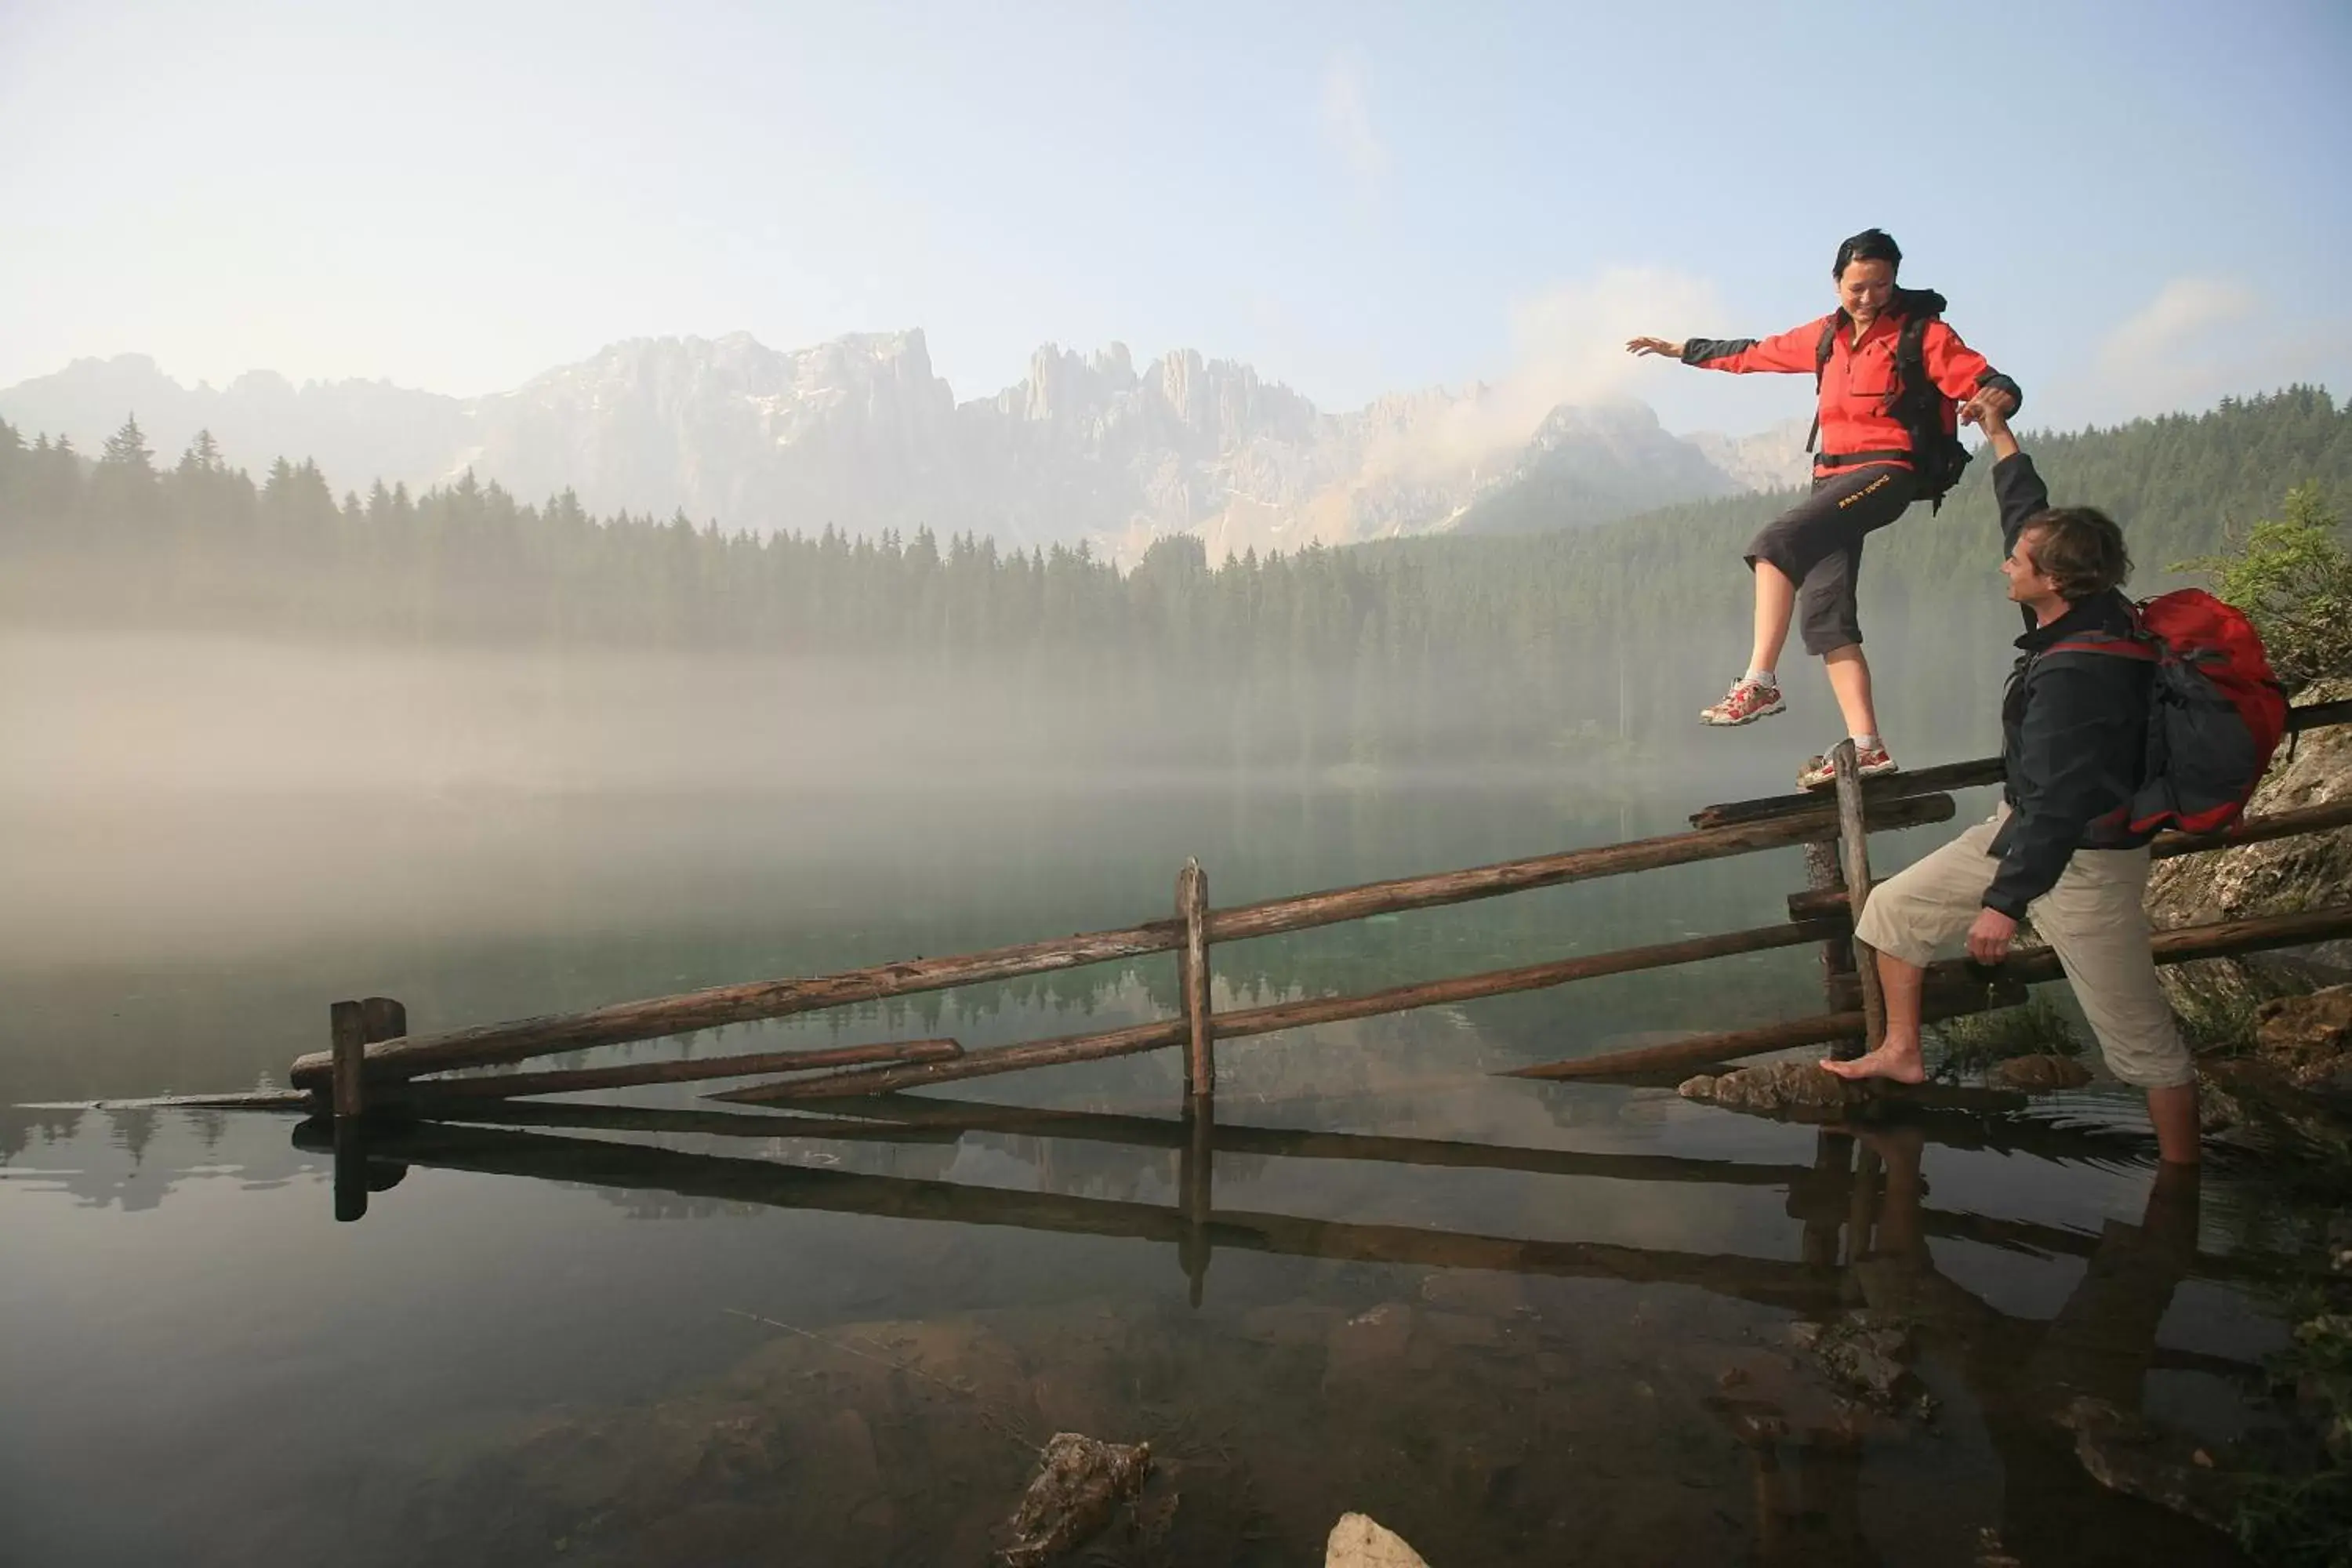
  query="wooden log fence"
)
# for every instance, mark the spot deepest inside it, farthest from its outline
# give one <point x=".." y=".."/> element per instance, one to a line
<point x="1948" y="978"/>
<point x="376" y="1066"/>
<point x="1282" y="1015"/>
<point x="653" y="1018"/>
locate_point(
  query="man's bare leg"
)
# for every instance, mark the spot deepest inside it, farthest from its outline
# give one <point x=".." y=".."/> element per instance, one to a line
<point x="1897" y="1147"/>
<point x="2173" y="1113"/>
<point x="1776" y="601"/>
<point x="1898" y="1056"/>
<point x="1849" y="674"/>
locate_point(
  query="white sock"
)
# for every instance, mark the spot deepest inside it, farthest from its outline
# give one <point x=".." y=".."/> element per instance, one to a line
<point x="1866" y="742"/>
<point x="1759" y="678"/>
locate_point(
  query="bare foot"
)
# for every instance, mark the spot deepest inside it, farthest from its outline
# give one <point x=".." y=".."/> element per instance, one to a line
<point x="1897" y="1064"/>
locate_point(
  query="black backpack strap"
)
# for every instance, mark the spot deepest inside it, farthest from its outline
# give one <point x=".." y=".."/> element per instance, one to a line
<point x="2121" y="647"/>
<point x="1822" y="352"/>
<point x="1911" y="383"/>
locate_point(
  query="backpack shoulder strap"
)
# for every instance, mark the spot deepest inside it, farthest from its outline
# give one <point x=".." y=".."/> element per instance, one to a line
<point x="1822" y="352"/>
<point x="1911" y="358"/>
<point x="2100" y="642"/>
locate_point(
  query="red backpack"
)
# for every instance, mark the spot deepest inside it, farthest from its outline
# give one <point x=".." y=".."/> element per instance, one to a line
<point x="2215" y="711"/>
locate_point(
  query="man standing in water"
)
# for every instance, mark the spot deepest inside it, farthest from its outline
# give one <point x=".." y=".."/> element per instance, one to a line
<point x="1889" y="372"/>
<point x="2074" y="745"/>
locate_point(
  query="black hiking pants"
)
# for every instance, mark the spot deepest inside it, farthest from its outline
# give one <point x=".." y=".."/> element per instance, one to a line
<point x="1818" y="544"/>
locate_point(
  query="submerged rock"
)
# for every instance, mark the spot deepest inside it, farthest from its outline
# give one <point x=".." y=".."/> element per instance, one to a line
<point x="2043" y="1071"/>
<point x="1804" y="1091"/>
<point x="1360" y="1541"/>
<point x="2127" y="1454"/>
<point x="1079" y="1484"/>
<point x="1864" y="1351"/>
<point x="2308" y="1038"/>
<point x="1778" y="1089"/>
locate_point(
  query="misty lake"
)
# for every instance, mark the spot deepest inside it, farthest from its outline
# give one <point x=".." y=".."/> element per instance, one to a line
<point x="1518" y="1323"/>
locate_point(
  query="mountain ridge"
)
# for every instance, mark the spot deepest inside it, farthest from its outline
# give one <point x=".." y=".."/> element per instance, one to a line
<point x="860" y="432"/>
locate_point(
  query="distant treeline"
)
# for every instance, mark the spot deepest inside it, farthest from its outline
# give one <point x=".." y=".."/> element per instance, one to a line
<point x="1547" y="647"/>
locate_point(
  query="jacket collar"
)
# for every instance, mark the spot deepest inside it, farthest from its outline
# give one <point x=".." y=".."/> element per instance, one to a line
<point x="2107" y="612"/>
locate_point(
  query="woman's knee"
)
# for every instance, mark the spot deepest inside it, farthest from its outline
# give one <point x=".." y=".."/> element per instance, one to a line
<point x="1828" y="617"/>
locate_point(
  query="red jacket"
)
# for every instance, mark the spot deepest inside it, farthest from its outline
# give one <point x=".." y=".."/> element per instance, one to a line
<point x="1859" y="384"/>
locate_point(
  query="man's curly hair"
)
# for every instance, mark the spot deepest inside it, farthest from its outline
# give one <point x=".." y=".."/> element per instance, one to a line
<point x="2079" y="548"/>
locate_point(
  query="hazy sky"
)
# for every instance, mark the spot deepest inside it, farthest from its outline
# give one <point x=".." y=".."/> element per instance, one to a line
<point x="2133" y="207"/>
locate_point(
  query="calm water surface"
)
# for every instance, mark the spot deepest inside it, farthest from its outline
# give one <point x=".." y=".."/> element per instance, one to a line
<point x="1518" y="1323"/>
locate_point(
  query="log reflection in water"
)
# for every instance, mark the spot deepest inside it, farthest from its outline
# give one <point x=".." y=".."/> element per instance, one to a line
<point x="614" y="1164"/>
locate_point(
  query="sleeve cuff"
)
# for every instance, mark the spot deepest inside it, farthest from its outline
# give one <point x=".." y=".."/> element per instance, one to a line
<point x="2004" y="903"/>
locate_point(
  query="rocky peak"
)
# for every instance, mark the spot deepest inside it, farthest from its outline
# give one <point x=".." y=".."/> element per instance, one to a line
<point x="862" y="433"/>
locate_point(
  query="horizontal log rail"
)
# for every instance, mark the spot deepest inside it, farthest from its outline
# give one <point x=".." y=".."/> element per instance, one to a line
<point x="489" y="1044"/>
<point x="438" y="1091"/>
<point x="1297" y="1014"/>
<point x="1947" y="776"/>
<point x="2323" y="818"/>
<point x="1708" y="1050"/>
<point x="2182" y="945"/>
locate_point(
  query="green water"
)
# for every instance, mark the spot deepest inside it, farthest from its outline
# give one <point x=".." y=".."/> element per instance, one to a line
<point x="1518" y="1322"/>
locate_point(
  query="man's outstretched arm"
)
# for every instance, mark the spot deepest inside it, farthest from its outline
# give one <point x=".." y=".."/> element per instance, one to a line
<point x="2019" y="490"/>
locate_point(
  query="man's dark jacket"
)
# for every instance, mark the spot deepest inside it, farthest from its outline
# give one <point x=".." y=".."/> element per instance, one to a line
<point x="2074" y="727"/>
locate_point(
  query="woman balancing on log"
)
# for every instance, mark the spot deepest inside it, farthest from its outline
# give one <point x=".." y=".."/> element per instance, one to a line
<point x="1892" y="379"/>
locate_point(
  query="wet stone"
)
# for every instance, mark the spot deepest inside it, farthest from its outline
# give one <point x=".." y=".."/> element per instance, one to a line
<point x="1800" y="1090"/>
<point x="2042" y="1072"/>
<point x="2129" y="1453"/>
<point x="1866" y="1353"/>
<point x="2307" y="1037"/>
<point x="1079" y="1486"/>
<point x="1358" y="1541"/>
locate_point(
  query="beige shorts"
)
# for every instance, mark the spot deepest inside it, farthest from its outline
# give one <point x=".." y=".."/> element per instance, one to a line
<point x="2093" y="918"/>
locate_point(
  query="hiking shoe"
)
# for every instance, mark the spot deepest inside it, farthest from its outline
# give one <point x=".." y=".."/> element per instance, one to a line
<point x="1746" y="702"/>
<point x="1869" y="763"/>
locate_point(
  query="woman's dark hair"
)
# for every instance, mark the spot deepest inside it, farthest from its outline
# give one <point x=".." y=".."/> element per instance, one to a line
<point x="1870" y="245"/>
<point x="2079" y="548"/>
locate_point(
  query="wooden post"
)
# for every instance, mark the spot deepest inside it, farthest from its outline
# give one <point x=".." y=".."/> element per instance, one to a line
<point x="350" y="1034"/>
<point x="381" y="1019"/>
<point x="1855" y="835"/>
<point x="1832" y="1173"/>
<point x="347" y="1022"/>
<point x="1196" y="1184"/>
<point x="1861" y="1217"/>
<point x="357" y="1026"/>
<point x="1193" y="977"/>
<point x="1824" y="877"/>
